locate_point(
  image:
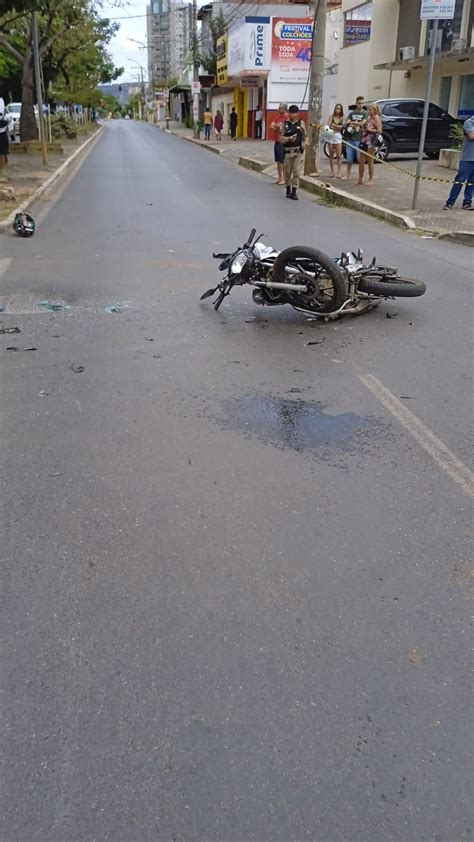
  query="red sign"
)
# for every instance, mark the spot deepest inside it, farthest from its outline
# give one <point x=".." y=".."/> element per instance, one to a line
<point x="291" y="49"/>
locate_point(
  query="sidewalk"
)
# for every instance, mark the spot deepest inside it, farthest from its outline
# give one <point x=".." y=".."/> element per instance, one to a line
<point x="391" y="194"/>
<point x="26" y="174"/>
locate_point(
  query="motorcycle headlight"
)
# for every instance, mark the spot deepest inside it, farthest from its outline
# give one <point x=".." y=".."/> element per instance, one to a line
<point x="238" y="263"/>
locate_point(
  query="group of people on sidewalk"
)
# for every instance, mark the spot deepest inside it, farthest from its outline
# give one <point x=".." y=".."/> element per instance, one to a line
<point x="361" y="132"/>
<point x="218" y="122"/>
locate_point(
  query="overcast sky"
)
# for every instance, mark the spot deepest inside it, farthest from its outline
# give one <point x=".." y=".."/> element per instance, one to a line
<point x="134" y="26"/>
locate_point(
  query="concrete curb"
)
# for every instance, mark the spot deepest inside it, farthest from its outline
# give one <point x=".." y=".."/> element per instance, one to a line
<point x="7" y="223"/>
<point x="464" y="237"/>
<point x="339" y="197"/>
<point x="201" y="143"/>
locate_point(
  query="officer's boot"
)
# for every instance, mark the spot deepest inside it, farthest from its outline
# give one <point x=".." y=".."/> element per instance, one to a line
<point x="293" y="194"/>
<point x="288" y="192"/>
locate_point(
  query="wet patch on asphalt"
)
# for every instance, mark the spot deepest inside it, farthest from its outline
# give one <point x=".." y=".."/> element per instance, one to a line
<point x="298" y="424"/>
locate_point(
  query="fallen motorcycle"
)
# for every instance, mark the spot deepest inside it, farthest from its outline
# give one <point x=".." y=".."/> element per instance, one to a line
<point x="310" y="281"/>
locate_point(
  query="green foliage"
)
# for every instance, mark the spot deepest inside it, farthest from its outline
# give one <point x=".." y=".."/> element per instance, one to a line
<point x="218" y="27"/>
<point x="188" y="121"/>
<point x="457" y="135"/>
<point x="63" y="126"/>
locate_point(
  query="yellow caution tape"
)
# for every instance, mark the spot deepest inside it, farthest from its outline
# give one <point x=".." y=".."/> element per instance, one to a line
<point x="400" y="169"/>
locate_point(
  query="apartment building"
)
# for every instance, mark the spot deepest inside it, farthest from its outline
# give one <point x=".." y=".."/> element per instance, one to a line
<point x="169" y="38"/>
<point x="386" y="50"/>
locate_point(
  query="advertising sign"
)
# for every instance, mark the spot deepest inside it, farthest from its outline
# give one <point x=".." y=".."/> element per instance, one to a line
<point x="249" y="47"/>
<point x="195" y="88"/>
<point x="221" y="50"/>
<point x="437" y="9"/>
<point x="291" y="49"/>
<point x="356" y="31"/>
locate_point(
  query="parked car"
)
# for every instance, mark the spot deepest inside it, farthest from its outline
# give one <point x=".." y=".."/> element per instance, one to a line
<point x="401" y="127"/>
<point x="14" y="108"/>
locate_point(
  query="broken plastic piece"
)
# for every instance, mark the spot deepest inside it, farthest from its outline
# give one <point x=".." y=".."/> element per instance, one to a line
<point x="113" y="308"/>
<point x="10" y="330"/>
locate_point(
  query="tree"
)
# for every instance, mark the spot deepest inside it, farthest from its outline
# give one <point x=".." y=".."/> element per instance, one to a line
<point x="218" y="27"/>
<point x="72" y="39"/>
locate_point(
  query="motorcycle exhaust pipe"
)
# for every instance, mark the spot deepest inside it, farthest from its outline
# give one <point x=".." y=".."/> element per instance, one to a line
<point x="277" y="285"/>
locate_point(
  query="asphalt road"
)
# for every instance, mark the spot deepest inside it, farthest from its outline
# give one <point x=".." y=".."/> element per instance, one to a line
<point x="236" y="578"/>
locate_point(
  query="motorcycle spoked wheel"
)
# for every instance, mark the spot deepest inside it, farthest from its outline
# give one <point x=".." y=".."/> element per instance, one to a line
<point x="303" y="264"/>
<point x="390" y="285"/>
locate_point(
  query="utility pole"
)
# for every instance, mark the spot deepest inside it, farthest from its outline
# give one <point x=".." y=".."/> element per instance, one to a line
<point x="195" y="73"/>
<point x="316" y="81"/>
<point x="424" y="122"/>
<point x="39" y="96"/>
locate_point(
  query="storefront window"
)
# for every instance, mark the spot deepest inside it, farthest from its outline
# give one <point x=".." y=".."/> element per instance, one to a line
<point x="445" y="92"/>
<point x="358" y="25"/>
<point x="466" y="98"/>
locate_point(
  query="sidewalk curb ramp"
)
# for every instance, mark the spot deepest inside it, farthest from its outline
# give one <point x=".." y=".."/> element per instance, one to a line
<point x="464" y="237"/>
<point x="7" y="223"/>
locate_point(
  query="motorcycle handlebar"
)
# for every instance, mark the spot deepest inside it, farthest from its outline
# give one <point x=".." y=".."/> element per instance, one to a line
<point x="250" y="239"/>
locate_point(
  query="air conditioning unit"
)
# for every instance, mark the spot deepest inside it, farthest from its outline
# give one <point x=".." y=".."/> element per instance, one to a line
<point x="406" y="53"/>
<point x="458" y="45"/>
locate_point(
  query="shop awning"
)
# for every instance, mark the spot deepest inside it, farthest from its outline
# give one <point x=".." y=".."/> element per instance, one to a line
<point x="422" y="62"/>
<point x="180" y="89"/>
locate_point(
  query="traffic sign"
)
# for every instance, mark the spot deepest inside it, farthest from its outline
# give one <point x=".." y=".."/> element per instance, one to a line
<point x="437" y="9"/>
<point x="195" y="88"/>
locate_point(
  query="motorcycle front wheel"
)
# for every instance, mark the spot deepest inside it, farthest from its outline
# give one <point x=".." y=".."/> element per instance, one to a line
<point x="327" y="288"/>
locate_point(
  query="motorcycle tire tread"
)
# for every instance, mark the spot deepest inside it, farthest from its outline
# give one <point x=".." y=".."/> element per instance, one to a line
<point x="395" y="287"/>
<point x="332" y="269"/>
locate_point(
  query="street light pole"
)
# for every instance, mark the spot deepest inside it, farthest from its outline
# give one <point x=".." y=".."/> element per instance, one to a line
<point x="434" y="39"/>
<point x="315" y="100"/>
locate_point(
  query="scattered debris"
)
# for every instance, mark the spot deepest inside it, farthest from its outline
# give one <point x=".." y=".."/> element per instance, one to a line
<point x="113" y="308"/>
<point x="10" y="330"/>
<point x="316" y="341"/>
<point x="149" y="204"/>
<point x="77" y="369"/>
<point x="157" y="356"/>
<point x="249" y="321"/>
<point x="58" y="474"/>
<point x="391" y="315"/>
<point x="16" y="348"/>
<point x="43" y="394"/>
<point x="2" y="308"/>
<point x="405" y="397"/>
<point x="149" y="339"/>
<point x="337" y="361"/>
<point x="55" y="308"/>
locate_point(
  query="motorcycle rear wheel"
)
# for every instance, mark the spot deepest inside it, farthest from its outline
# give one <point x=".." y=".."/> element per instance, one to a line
<point x="329" y="289"/>
<point x="393" y="287"/>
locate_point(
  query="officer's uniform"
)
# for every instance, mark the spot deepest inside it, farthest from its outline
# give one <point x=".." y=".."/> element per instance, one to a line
<point x="293" y="136"/>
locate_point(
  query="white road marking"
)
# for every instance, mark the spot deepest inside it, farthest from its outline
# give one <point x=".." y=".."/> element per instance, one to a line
<point x="438" y="451"/>
<point x="4" y="264"/>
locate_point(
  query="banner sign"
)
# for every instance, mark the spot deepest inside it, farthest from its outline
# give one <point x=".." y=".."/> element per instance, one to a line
<point x="437" y="9"/>
<point x="291" y="49"/>
<point x="248" y="47"/>
<point x="356" y="32"/>
<point x="221" y="50"/>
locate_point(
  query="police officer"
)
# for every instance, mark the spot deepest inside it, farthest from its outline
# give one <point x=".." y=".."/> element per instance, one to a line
<point x="293" y="138"/>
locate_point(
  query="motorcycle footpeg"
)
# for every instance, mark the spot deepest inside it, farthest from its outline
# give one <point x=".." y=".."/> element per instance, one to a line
<point x="257" y="297"/>
<point x="208" y="293"/>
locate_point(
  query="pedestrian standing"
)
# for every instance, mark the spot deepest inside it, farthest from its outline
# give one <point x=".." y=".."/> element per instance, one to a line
<point x="356" y="119"/>
<point x="5" y="123"/>
<point x="465" y="173"/>
<point x="336" y="122"/>
<point x="278" y="148"/>
<point x="208" y="121"/>
<point x="368" y="143"/>
<point x="233" y="122"/>
<point x="293" y="138"/>
<point x="218" y="125"/>
<point x="258" y="122"/>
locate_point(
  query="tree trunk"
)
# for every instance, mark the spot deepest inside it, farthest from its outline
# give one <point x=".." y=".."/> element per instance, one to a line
<point x="28" y="127"/>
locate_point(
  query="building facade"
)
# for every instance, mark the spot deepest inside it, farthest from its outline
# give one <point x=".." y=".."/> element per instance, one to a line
<point x="386" y="48"/>
<point x="169" y="39"/>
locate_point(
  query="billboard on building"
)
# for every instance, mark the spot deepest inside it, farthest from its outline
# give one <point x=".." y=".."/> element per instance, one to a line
<point x="291" y="49"/>
<point x="249" y="47"/>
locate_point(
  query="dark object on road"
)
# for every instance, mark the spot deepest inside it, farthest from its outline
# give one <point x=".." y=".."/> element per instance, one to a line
<point x="113" y="308"/>
<point x="55" y="308"/>
<point x="149" y="339"/>
<point x="16" y="348"/>
<point x="77" y="369"/>
<point x="310" y="281"/>
<point x="24" y="225"/>
<point x="4" y="330"/>
<point x="391" y="315"/>
<point x="316" y="341"/>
